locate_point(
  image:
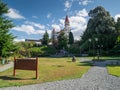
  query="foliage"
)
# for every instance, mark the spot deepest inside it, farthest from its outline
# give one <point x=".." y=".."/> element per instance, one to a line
<point x="45" y="39"/>
<point x="62" y="40"/>
<point x="28" y="49"/>
<point x="71" y="38"/>
<point x="6" y="38"/>
<point x="118" y="26"/>
<point x="74" y="50"/>
<point x="102" y="26"/>
<point x="24" y="48"/>
<point x="42" y="51"/>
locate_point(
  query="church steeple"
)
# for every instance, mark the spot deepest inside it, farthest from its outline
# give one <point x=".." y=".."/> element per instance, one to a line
<point x="67" y="23"/>
<point x="66" y="19"/>
<point x="67" y="27"/>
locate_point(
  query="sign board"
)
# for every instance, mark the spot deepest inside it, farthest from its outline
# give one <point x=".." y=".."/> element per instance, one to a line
<point x="26" y="64"/>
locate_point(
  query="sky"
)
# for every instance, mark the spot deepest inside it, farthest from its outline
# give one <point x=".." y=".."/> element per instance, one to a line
<point x="33" y="17"/>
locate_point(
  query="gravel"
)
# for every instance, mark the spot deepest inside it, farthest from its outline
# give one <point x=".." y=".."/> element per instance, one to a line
<point x="97" y="78"/>
<point x="7" y="66"/>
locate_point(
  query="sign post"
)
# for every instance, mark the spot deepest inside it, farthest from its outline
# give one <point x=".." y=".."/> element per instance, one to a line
<point x="26" y="64"/>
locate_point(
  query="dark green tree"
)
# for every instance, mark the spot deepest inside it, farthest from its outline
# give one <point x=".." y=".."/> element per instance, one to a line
<point x="102" y="26"/>
<point x="6" y="38"/>
<point x="118" y="31"/>
<point x="71" y="38"/>
<point x="118" y="26"/>
<point x="45" y="39"/>
<point x="62" y="41"/>
<point x="116" y="48"/>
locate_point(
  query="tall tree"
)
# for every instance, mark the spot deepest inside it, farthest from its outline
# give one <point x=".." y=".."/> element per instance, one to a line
<point x="6" y="38"/>
<point x="118" y="30"/>
<point x="62" y="40"/>
<point x="45" y="39"/>
<point x="102" y="26"/>
<point x="118" y="26"/>
<point x="71" y="38"/>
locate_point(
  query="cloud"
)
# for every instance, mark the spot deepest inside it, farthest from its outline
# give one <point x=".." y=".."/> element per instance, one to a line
<point x="35" y="24"/>
<point x="35" y="17"/>
<point x="25" y="28"/>
<point x="19" y="40"/>
<point x="82" y="13"/>
<point x="48" y="15"/>
<point x="56" y="27"/>
<point x="32" y="28"/>
<point x="116" y="17"/>
<point x="13" y="13"/>
<point x="84" y="2"/>
<point x="28" y="29"/>
<point x="68" y="5"/>
<point x="78" y="25"/>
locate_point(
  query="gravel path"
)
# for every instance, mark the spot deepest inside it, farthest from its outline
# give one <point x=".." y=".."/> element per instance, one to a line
<point x="97" y="78"/>
<point x="7" y="66"/>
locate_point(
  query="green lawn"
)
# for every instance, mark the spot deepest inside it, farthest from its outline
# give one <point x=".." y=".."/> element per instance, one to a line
<point x="114" y="70"/>
<point x="50" y="69"/>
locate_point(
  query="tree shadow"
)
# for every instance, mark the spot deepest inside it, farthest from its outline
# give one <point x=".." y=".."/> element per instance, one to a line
<point x="9" y="78"/>
<point x="113" y="65"/>
<point x="58" y="65"/>
<point x="85" y="63"/>
<point x="98" y="63"/>
<point x="14" y="78"/>
<point x="108" y="59"/>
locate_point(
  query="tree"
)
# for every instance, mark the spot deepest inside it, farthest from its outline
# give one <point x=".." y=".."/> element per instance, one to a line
<point x="118" y="30"/>
<point x="102" y="26"/>
<point x="116" y="48"/>
<point x="71" y="38"/>
<point x="45" y="39"/>
<point x="62" y="40"/>
<point x="118" y="26"/>
<point x="6" y="38"/>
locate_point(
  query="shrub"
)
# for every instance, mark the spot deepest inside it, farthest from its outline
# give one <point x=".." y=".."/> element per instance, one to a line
<point x="41" y="51"/>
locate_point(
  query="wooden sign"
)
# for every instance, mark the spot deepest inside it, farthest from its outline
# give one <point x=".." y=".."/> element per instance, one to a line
<point x="26" y="64"/>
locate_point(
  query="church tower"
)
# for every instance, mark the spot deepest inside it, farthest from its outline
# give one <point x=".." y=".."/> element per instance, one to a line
<point x="67" y="27"/>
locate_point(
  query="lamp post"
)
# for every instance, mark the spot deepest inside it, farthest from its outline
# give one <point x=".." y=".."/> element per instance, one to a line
<point x="94" y="40"/>
<point x="68" y="49"/>
<point x="94" y="43"/>
<point x="99" y="51"/>
<point x="89" y="44"/>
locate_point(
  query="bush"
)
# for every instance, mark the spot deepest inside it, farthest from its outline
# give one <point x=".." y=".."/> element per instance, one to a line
<point x="74" y="50"/>
<point x="42" y="51"/>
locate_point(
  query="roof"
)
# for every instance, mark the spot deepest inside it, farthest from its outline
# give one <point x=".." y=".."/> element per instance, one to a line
<point x="31" y="40"/>
<point x="66" y="19"/>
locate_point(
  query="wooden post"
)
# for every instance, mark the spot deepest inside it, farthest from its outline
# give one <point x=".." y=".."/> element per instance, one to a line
<point x="14" y="66"/>
<point x="36" y="68"/>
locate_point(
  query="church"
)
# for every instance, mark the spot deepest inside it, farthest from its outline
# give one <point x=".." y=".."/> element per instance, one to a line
<point x="66" y="30"/>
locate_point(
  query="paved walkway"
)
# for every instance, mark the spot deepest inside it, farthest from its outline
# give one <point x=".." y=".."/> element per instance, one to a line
<point x="7" y="66"/>
<point x="97" y="78"/>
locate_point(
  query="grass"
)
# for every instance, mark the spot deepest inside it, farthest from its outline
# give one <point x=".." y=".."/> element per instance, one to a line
<point x="50" y="69"/>
<point x="114" y="70"/>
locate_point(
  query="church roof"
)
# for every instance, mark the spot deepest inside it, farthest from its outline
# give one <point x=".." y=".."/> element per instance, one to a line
<point x="66" y="19"/>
